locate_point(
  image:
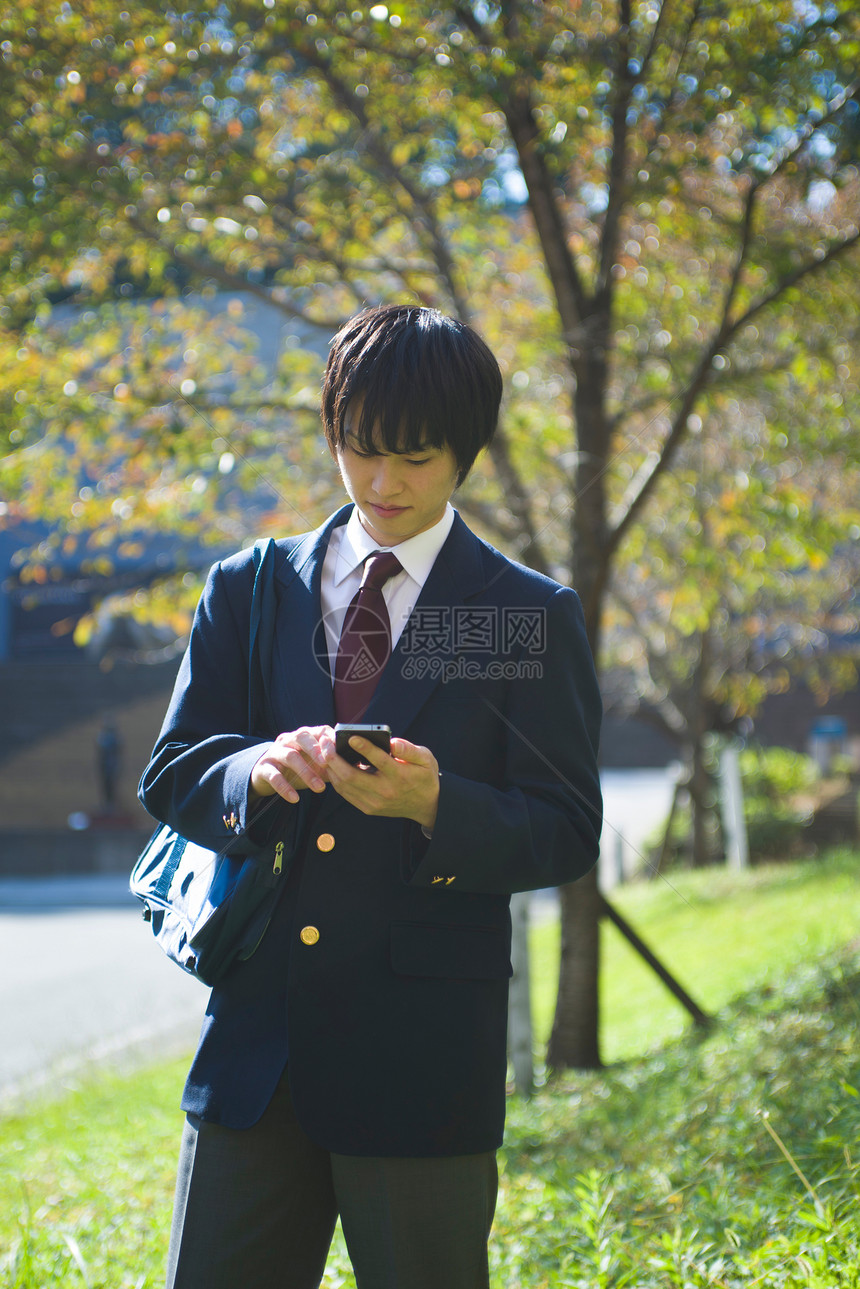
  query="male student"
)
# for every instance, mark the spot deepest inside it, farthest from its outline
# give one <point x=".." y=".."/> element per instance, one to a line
<point x="355" y="1064"/>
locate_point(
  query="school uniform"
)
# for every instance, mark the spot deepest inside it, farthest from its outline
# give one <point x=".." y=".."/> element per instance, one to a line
<point x="375" y="1006"/>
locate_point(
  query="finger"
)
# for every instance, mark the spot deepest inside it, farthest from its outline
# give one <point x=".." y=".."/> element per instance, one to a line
<point x="339" y="771"/>
<point x="412" y="753"/>
<point x="359" y="788"/>
<point x="303" y="772"/>
<point x="370" y="753"/>
<point x="308" y="743"/>
<point x="307" y="737"/>
<point x="284" y="788"/>
<point x="268" y="780"/>
<point x="348" y="781"/>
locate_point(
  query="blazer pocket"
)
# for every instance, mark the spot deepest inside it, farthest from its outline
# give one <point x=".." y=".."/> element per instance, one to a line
<point x="449" y="952"/>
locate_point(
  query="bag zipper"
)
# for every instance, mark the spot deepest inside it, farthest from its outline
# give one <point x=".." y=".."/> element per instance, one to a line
<point x="277" y="866"/>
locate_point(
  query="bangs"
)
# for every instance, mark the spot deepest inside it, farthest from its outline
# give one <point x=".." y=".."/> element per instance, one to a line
<point x="402" y="378"/>
<point x="393" y="415"/>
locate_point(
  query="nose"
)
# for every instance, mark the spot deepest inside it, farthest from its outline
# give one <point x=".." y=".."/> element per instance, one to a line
<point x="387" y="480"/>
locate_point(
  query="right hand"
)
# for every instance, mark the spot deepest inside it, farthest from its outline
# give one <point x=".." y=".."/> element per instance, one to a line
<point x="294" y="761"/>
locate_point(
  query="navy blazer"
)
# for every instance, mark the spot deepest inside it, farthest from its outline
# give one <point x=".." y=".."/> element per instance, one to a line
<point x="383" y="975"/>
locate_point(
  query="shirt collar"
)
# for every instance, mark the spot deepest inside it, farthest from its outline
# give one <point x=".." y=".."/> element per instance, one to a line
<point x="417" y="554"/>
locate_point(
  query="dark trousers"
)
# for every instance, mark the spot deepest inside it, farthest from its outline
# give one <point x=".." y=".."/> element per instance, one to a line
<point x="256" y="1209"/>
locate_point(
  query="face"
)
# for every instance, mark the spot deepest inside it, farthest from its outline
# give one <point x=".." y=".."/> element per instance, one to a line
<point x="398" y="495"/>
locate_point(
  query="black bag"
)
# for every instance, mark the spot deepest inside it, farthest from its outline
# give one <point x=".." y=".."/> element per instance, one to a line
<point x="209" y="908"/>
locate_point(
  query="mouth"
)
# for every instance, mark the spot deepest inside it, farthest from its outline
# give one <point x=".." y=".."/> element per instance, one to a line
<point x="387" y="512"/>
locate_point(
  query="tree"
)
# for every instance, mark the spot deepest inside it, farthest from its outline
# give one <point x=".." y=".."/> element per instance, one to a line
<point x="540" y="168"/>
<point x="738" y="580"/>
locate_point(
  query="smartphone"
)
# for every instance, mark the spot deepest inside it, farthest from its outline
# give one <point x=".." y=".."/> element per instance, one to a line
<point x="378" y="735"/>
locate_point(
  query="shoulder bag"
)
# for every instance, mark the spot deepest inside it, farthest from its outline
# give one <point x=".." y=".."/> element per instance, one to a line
<point x="207" y="908"/>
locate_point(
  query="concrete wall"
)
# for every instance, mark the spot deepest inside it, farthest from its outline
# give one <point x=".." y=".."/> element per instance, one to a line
<point x="55" y="852"/>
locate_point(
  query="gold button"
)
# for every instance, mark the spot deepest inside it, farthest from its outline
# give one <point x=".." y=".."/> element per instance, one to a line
<point x="309" y="935"/>
<point x="325" y="841"/>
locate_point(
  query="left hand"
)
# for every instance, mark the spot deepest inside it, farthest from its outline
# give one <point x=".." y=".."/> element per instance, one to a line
<point x="405" y="786"/>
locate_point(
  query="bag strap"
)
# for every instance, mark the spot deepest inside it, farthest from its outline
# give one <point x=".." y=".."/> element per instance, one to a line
<point x="261" y="631"/>
<point x="161" y="889"/>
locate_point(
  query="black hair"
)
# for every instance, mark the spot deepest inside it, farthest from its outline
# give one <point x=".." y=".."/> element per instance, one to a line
<point x="422" y="380"/>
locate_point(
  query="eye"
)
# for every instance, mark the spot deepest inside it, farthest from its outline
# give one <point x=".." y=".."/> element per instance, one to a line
<point x="417" y="460"/>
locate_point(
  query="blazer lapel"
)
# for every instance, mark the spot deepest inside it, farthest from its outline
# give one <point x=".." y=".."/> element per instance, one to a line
<point x="301" y="661"/>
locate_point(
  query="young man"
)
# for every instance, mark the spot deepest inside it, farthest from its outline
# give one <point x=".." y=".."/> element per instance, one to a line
<point x="356" y="1063"/>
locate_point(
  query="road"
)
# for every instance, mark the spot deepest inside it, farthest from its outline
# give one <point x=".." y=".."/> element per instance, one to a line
<point x="82" y="980"/>
<point x="636" y="804"/>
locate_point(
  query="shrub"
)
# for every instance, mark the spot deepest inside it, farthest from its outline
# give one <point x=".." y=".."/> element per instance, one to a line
<point x="777" y="772"/>
<point x="773" y="780"/>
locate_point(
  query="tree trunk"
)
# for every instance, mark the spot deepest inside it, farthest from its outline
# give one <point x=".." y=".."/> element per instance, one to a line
<point x="575" y="1038"/>
<point x="699" y="810"/>
<point x="575" y="1041"/>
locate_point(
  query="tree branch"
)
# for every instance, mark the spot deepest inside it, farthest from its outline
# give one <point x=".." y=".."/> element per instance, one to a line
<point x="516" y="105"/>
<point x="518" y="501"/>
<point x="563" y="274"/>
<point x="376" y="147"/>
<point x="628" y="411"/>
<point x="740" y="259"/>
<point x="659" y="126"/>
<point x="203" y="266"/>
<point x="617" y="177"/>
<point x="653" y="42"/>
<point x="790" y="151"/>
<point x="489" y="519"/>
<point x="689" y="397"/>
<point x="483" y="34"/>
<point x="792" y="279"/>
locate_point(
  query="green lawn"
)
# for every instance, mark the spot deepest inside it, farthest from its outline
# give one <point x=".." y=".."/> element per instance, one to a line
<point x="662" y="1173"/>
<point x="658" y="1173"/>
<point x="719" y="933"/>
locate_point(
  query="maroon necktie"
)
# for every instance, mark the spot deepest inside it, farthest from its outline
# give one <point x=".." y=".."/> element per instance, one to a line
<point x="365" y="641"/>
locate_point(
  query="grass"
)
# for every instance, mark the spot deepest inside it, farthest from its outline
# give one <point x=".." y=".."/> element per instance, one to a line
<point x="720" y="933"/>
<point x="86" y="1183"/>
<point x="658" y="1173"/>
<point x="663" y="1173"/>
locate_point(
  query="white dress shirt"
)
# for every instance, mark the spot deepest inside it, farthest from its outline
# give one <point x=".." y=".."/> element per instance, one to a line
<point x="343" y="566"/>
